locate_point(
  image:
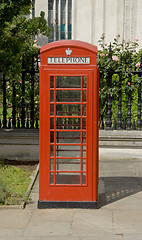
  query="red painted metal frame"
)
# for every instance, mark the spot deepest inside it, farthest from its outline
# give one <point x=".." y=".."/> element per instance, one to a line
<point x="74" y="192"/>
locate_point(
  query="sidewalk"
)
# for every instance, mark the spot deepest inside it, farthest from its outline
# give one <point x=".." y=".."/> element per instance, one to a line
<point x="119" y="216"/>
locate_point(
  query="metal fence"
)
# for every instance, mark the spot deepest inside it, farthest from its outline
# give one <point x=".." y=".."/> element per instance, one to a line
<point x="122" y="110"/>
<point x="19" y="104"/>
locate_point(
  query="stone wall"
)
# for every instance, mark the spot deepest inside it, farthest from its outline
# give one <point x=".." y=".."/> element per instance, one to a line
<point x="21" y="144"/>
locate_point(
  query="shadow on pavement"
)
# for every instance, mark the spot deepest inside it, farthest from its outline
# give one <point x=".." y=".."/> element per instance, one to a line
<point x="116" y="188"/>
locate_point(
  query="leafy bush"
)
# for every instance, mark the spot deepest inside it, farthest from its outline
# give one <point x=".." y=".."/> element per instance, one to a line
<point x="114" y="61"/>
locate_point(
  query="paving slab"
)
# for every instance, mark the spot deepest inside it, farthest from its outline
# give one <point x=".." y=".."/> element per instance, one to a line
<point x="14" y="219"/>
<point x="89" y="222"/>
<point x="137" y="163"/>
<point x="135" y="236"/>
<point x="53" y="215"/>
<point x="88" y="229"/>
<point x="7" y="232"/>
<point x="138" y="171"/>
<point x="41" y="238"/>
<point x="117" y="165"/>
<point x="127" y="221"/>
<point x="103" y="237"/>
<point x="120" y="173"/>
<point x="43" y="229"/>
<point x="98" y="217"/>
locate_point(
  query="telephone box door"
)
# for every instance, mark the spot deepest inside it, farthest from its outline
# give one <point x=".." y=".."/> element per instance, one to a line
<point x="67" y="164"/>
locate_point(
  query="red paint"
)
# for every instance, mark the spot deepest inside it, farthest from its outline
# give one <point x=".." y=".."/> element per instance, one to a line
<point x="67" y="163"/>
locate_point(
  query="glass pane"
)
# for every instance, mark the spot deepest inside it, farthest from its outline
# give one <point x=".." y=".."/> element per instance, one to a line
<point x="52" y="82"/>
<point x="50" y="4"/>
<point x="52" y="109"/>
<point x="68" y="82"/>
<point x="62" y="28"/>
<point x="70" y="4"/>
<point x="50" y="17"/>
<point x="69" y="35"/>
<point x="69" y="110"/>
<point x="83" y="178"/>
<point x="67" y="178"/>
<point x="68" y="164"/>
<point x="68" y="96"/>
<point x="51" y="178"/>
<point x="51" y="123"/>
<point x="57" y="33"/>
<point x="84" y="123"/>
<point x="51" y="151"/>
<point x="69" y="14"/>
<point x="63" y="4"/>
<point x="51" y="96"/>
<point x="68" y="137"/>
<point x="84" y="109"/>
<point x="62" y="35"/>
<point x="84" y="82"/>
<point x="52" y="137"/>
<point x="84" y="164"/>
<point x="84" y="96"/>
<point x="68" y="123"/>
<point x="84" y="151"/>
<point x="51" y="164"/>
<point x="84" y="137"/>
<point x="69" y="26"/>
<point x="68" y="151"/>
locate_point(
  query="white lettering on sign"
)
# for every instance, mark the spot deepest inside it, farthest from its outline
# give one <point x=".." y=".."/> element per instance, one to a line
<point x="68" y="60"/>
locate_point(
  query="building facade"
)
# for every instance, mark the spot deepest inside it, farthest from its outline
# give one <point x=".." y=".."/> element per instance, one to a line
<point x="87" y="20"/>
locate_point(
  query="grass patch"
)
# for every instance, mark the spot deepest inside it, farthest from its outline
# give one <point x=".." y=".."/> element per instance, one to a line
<point x="13" y="184"/>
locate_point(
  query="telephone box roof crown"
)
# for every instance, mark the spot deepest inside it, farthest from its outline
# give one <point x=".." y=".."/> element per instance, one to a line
<point x="69" y="44"/>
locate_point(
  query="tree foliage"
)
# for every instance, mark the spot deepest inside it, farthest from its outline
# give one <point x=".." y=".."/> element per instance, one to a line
<point x="17" y="34"/>
<point x="12" y="8"/>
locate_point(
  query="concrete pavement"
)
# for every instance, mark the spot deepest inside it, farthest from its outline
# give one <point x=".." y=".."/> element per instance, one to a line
<point x="119" y="216"/>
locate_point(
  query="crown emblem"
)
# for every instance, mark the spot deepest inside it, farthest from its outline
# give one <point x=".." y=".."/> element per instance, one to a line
<point x="68" y="51"/>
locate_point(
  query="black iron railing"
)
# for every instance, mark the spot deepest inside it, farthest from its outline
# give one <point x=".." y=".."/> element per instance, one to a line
<point x="20" y="112"/>
<point x="129" y="92"/>
<point x="19" y="104"/>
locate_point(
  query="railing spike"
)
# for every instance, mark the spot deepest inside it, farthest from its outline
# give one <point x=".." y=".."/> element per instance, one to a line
<point x="18" y="122"/>
<point x="36" y="123"/>
<point x="9" y="123"/>
<point x="134" y="125"/>
<point x="27" y="123"/>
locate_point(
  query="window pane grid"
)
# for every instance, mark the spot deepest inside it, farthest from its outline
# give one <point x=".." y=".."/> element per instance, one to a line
<point x="81" y="128"/>
<point x="76" y="89"/>
<point x="59" y="147"/>
<point x="68" y="144"/>
<point x="57" y="171"/>
<point x="54" y="130"/>
<point x="69" y="157"/>
<point x="68" y="130"/>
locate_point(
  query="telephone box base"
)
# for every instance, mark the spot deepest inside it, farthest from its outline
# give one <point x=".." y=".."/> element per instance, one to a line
<point x="56" y="204"/>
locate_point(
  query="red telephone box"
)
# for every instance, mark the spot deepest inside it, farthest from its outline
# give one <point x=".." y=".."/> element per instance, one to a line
<point x="68" y="164"/>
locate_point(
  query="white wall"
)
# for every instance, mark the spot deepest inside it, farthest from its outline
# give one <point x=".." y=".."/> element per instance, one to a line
<point x="111" y="17"/>
<point x="92" y="18"/>
<point x="41" y="5"/>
